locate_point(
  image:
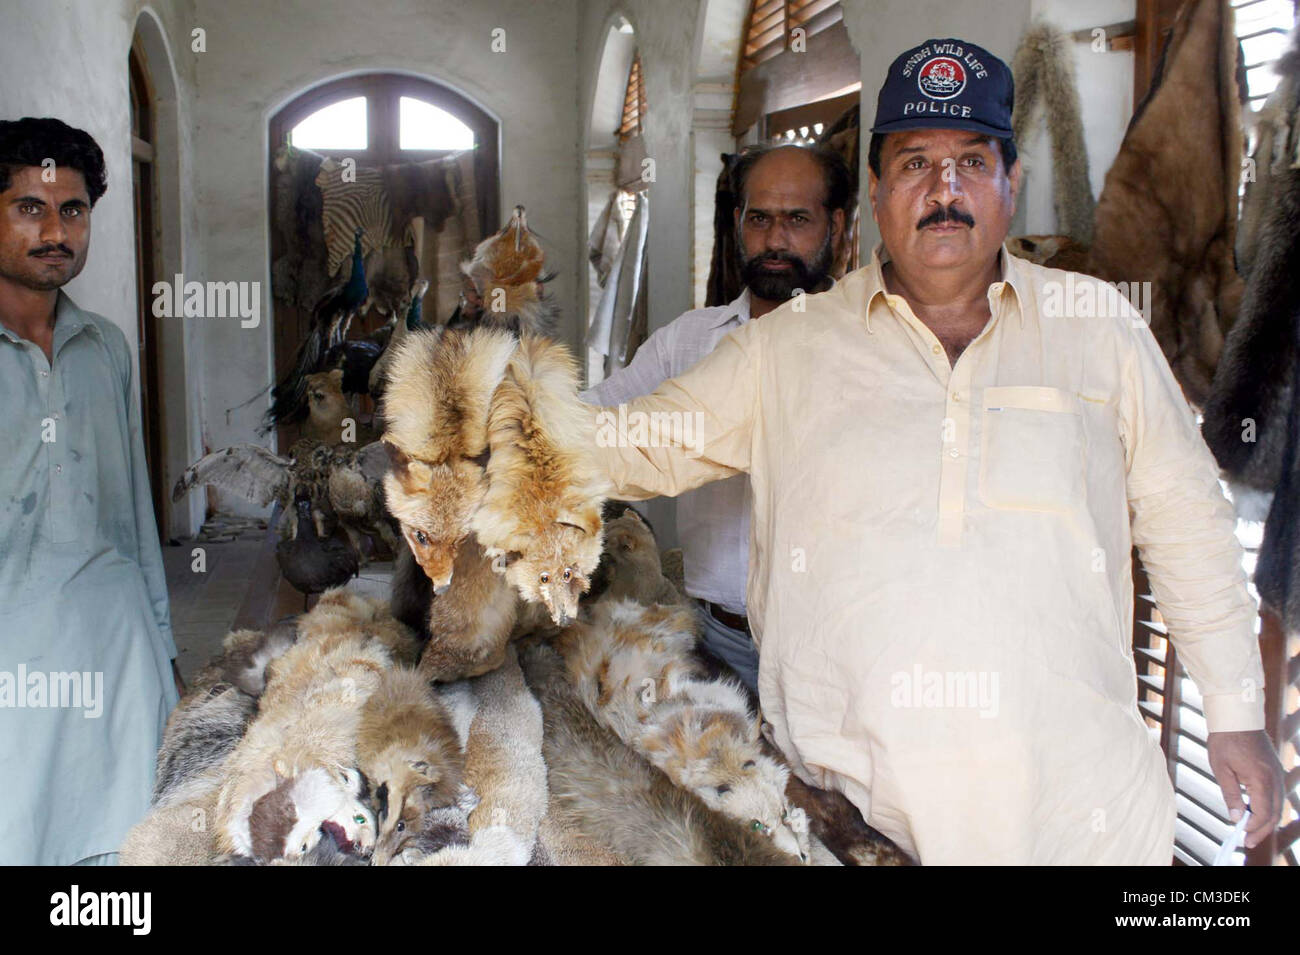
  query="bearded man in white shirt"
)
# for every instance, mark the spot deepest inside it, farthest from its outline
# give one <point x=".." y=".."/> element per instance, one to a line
<point x="791" y="203"/>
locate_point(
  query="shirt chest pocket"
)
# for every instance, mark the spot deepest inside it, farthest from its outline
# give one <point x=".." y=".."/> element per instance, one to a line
<point x="1032" y="449"/>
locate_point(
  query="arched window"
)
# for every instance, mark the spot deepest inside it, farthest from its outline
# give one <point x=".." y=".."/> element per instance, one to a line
<point x="394" y="127"/>
<point x="384" y="118"/>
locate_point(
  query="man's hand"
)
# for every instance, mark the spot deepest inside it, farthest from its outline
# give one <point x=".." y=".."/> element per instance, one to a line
<point x="1247" y="759"/>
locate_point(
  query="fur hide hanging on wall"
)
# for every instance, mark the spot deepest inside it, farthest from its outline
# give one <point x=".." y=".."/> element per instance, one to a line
<point x="1043" y="68"/>
<point x="1168" y="209"/>
<point x="1252" y="420"/>
<point x="298" y="274"/>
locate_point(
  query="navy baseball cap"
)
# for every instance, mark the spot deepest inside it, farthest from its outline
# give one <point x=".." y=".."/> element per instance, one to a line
<point x="946" y="84"/>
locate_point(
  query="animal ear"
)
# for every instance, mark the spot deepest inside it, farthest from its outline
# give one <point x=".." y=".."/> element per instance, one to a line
<point x="504" y="559"/>
<point x="479" y="274"/>
<point x="424" y="769"/>
<point x="336" y="375"/>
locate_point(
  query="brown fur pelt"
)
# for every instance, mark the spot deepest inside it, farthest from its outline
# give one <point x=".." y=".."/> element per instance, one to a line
<point x="844" y="137"/>
<point x="1252" y="389"/>
<point x="508" y="276"/>
<point x="419" y="189"/>
<point x="472" y="622"/>
<point x="725" y="282"/>
<point x="298" y="276"/>
<point x="834" y="820"/>
<point x="1168" y="211"/>
<point x="1252" y="421"/>
<point x="1043" y="68"/>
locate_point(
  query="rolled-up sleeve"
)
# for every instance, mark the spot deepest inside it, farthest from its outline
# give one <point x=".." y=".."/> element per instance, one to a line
<point x="1185" y="532"/>
<point x="691" y="430"/>
<point x="647" y="370"/>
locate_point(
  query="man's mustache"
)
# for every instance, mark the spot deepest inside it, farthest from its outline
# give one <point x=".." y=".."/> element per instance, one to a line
<point x="778" y="257"/>
<point x="52" y="248"/>
<point x="948" y="214"/>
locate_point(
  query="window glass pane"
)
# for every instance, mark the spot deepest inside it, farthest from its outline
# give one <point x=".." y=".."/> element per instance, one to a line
<point x="425" y="126"/>
<point x="341" y="125"/>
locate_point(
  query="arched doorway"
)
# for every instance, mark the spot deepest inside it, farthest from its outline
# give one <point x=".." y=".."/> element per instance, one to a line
<point x="168" y="415"/>
<point x="378" y="123"/>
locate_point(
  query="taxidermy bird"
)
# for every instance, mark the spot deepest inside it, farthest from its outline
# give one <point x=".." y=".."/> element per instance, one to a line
<point x="412" y="321"/>
<point x="508" y="283"/>
<point x="343" y="487"/>
<point x="330" y="320"/>
<point x="312" y="561"/>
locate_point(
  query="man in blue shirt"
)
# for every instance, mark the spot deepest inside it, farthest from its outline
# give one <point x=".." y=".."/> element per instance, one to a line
<point x="86" y="678"/>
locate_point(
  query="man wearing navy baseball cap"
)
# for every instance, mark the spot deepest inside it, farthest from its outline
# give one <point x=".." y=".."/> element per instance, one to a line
<point x="951" y="461"/>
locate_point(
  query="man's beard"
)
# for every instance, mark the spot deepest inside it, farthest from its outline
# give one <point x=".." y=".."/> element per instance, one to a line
<point x="779" y="286"/>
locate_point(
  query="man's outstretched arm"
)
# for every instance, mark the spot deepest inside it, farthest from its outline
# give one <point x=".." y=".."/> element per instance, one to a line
<point x="691" y="430"/>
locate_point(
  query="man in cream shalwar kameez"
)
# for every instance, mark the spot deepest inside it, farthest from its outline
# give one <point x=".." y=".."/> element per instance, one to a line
<point x="940" y="577"/>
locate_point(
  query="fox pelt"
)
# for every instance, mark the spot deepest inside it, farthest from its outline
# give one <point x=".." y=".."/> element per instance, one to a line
<point x="307" y="724"/>
<point x="472" y="621"/>
<point x="630" y="563"/>
<point x="410" y="752"/>
<point x="436" y="414"/>
<point x="634" y="668"/>
<point x="603" y="789"/>
<point x="540" y="518"/>
<point x="507" y="273"/>
<point x="342" y="613"/>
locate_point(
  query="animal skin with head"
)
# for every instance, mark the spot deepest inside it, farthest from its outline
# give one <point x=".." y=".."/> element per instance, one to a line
<point x="605" y="790"/>
<point x="409" y="750"/>
<point x="630" y="565"/>
<point x="436" y="410"/>
<point x="633" y="666"/>
<point x="472" y="621"/>
<point x="326" y="407"/>
<point x="308" y="719"/>
<point x="540" y="519"/>
<point x="508" y="280"/>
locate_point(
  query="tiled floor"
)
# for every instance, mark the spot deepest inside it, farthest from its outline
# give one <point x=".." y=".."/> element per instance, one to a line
<point x="239" y="586"/>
